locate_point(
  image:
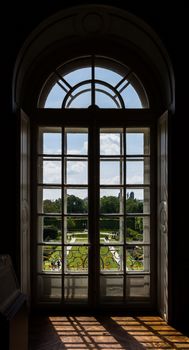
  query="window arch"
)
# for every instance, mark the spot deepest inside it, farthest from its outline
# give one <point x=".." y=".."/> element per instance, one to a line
<point x="93" y="81"/>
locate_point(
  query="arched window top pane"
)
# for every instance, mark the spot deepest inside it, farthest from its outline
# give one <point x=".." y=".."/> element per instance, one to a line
<point x="93" y="81"/>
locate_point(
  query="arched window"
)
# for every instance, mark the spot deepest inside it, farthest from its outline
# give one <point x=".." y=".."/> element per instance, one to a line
<point x="93" y="81"/>
<point x="93" y="98"/>
<point x="93" y="186"/>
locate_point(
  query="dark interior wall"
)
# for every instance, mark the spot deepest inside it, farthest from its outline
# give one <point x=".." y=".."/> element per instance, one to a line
<point x="20" y="20"/>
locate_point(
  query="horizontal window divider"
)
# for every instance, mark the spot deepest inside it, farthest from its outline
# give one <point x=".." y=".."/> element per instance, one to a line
<point x="137" y="156"/>
<point x="76" y="156"/>
<point x="64" y="186"/>
<point x="133" y="186"/>
<point x="135" y="159"/>
<point x="119" y="186"/>
<point x="77" y="186"/>
<point x="117" y="274"/>
<point x="58" y="155"/>
<point x="55" y="244"/>
<point x="111" y="244"/>
<point x="75" y="274"/>
<point x="137" y="186"/>
<point x="139" y="117"/>
<point x="137" y="214"/>
<point x="111" y="186"/>
<point x="137" y="243"/>
<point x="50" y="214"/>
<point x="108" y="158"/>
<point x="111" y="215"/>
<point x="76" y="244"/>
<point x="137" y="273"/>
<point x="50" y="274"/>
<point x="50" y="157"/>
<point x="85" y="215"/>
<point x="48" y="185"/>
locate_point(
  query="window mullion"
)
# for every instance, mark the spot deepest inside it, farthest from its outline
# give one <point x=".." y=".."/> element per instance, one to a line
<point x="125" y="217"/>
<point x="93" y="81"/>
<point x="63" y="207"/>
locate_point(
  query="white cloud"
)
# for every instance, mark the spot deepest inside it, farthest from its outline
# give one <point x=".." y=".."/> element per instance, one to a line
<point x="51" y="194"/>
<point x="74" y="151"/>
<point x="76" y="172"/>
<point x="134" y="179"/>
<point x="50" y="150"/>
<point x="109" y="144"/>
<point x="115" y="180"/>
<point x="52" y="172"/>
<point x="83" y="150"/>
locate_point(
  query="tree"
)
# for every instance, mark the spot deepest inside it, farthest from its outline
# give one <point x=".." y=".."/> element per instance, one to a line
<point x="52" y="206"/>
<point x="76" y="205"/>
<point x="134" y="205"/>
<point x="109" y="204"/>
<point x="50" y="233"/>
<point x="70" y="224"/>
<point x="52" y="221"/>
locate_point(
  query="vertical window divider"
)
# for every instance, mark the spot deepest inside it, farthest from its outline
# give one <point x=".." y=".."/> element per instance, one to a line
<point x="93" y="80"/>
<point x="63" y="218"/>
<point x="97" y="212"/>
<point x="93" y="194"/>
<point x="124" y="213"/>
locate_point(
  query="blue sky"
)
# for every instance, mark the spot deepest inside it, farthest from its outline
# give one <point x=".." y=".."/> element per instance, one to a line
<point x="57" y="94"/>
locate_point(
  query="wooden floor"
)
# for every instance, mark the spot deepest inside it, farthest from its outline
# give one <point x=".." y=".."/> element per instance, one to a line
<point x="104" y="333"/>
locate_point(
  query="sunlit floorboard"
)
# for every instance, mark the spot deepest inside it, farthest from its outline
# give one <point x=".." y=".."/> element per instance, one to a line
<point x="104" y="333"/>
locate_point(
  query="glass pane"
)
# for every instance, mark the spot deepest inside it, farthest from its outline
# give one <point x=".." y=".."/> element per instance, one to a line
<point x="76" y="288"/>
<point x="107" y="75"/>
<point x="104" y="98"/>
<point x="76" y="230"/>
<point x="81" y="99"/>
<point x="131" y="97"/>
<point x="138" y="258"/>
<point x="76" y="172"/>
<point x="49" y="200"/>
<point x="138" y="286"/>
<point x="78" y="75"/>
<point x="111" y="288"/>
<point x="138" y="200"/>
<point x="111" y="142"/>
<point x="111" y="258"/>
<point x="111" y="172"/>
<point x="49" y="229"/>
<point x="111" y="201"/>
<point x="49" y="171"/>
<point x="55" y="97"/>
<point x="111" y="230"/>
<point x="138" y="141"/>
<point x="50" y="140"/>
<point x="76" y="141"/>
<point x="49" y="288"/>
<point x="76" y="259"/>
<point x="76" y="200"/>
<point x="49" y="258"/>
<point x="138" y="171"/>
<point x="138" y="229"/>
